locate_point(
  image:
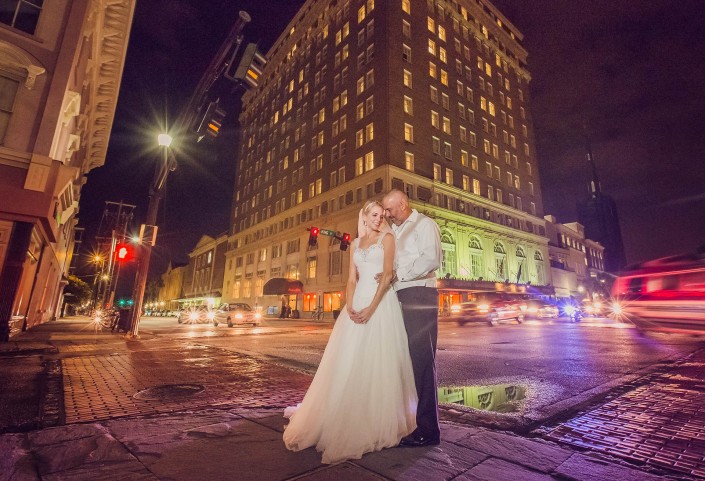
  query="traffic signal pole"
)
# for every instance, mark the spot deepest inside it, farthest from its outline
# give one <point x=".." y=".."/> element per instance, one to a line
<point x="184" y="122"/>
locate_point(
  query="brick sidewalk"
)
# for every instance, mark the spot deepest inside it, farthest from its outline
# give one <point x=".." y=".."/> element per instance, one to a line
<point x="104" y="386"/>
<point x="658" y="422"/>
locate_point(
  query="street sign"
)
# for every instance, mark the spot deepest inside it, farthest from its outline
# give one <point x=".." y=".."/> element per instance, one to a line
<point x="327" y="232"/>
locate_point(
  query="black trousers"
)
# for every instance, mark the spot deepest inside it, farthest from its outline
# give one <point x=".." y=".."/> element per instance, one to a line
<point x="419" y="306"/>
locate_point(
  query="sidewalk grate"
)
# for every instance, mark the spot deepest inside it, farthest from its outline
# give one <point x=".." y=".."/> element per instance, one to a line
<point x="98" y="387"/>
<point x="659" y="424"/>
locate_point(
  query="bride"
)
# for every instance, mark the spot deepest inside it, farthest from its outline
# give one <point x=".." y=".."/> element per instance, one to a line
<point x="363" y="396"/>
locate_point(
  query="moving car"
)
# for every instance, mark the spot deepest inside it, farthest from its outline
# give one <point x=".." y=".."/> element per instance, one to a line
<point x="236" y="313"/>
<point x="196" y="315"/>
<point x="491" y="311"/>
<point x="538" y="309"/>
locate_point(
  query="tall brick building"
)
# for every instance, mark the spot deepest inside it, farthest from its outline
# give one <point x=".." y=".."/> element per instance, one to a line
<point x="359" y="97"/>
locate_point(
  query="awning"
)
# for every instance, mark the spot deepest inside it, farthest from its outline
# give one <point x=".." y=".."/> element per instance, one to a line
<point x="279" y="285"/>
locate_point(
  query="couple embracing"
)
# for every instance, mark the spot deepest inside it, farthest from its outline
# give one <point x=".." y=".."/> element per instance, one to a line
<point x="375" y="386"/>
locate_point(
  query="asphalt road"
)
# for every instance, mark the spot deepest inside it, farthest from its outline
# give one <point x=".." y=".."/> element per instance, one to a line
<point x="555" y="364"/>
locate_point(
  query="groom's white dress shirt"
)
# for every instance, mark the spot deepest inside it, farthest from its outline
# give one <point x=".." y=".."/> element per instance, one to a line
<point x="418" y="251"/>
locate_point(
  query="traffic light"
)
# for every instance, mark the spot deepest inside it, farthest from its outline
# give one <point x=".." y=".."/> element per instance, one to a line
<point x="344" y="242"/>
<point x="313" y="236"/>
<point x="212" y="120"/>
<point x="249" y="70"/>
<point x="124" y="252"/>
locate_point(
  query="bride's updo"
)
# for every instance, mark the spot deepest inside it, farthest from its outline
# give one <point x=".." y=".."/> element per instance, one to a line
<point x="369" y="205"/>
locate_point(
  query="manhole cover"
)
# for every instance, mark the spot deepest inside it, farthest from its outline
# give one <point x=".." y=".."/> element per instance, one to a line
<point x="169" y="392"/>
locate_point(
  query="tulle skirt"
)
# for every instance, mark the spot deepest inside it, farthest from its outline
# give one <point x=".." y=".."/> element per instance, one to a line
<point x="363" y="397"/>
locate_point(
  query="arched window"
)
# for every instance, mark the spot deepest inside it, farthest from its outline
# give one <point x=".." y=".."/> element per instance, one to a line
<point x="522" y="267"/>
<point x="539" y="266"/>
<point x="500" y="261"/>
<point x="477" y="269"/>
<point x="449" y="264"/>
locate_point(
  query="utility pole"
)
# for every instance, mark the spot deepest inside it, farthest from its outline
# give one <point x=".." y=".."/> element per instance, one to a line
<point x="197" y="102"/>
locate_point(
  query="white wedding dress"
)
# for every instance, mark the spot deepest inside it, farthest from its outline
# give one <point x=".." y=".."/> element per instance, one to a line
<point x="363" y="396"/>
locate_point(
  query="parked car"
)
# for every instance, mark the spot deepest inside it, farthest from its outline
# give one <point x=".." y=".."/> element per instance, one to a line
<point x="538" y="309"/>
<point x="491" y="311"/>
<point x="236" y="313"/>
<point x="196" y="315"/>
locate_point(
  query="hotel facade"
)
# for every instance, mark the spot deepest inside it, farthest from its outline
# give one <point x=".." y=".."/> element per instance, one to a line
<point x="362" y="96"/>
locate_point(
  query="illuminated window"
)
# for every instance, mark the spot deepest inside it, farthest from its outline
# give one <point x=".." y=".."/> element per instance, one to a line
<point x="431" y="24"/>
<point x="431" y="47"/>
<point x="408" y="105"/>
<point x="311" y="267"/>
<point x="407" y="78"/>
<point x="449" y="177"/>
<point x="409" y="133"/>
<point x="369" y="161"/>
<point x="406" y="6"/>
<point x="436" y="172"/>
<point x="409" y="161"/>
<point x="435" y="119"/>
<point x="463" y="158"/>
<point x="476" y="187"/>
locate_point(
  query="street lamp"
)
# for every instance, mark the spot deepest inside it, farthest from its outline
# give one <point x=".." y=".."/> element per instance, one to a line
<point x="167" y="164"/>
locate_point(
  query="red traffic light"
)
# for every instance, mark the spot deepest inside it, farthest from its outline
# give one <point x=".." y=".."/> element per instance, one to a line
<point x="345" y="242"/>
<point x="124" y="252"/>
<point x="313" y="236"/>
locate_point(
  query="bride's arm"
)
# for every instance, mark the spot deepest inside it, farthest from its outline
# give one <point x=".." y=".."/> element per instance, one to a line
<point x="352" y="282"/>
<point x="385" y="278"/>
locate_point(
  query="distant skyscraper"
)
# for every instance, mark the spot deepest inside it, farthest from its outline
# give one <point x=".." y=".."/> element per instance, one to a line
<point x="359" y="97"/>
<point x="601" y="221"/>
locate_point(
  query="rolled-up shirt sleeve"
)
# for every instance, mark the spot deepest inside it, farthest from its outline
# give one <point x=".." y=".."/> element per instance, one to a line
<point x="424" y="240"/>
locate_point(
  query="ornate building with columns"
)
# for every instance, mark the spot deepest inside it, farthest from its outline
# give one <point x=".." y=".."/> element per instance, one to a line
<point x="61" y="63"/>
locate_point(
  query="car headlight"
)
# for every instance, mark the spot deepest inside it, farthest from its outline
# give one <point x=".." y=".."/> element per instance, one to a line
<point x="455" y="308"/>
<point x="617" y="308"/>
<point x="193" y="316"/>
<point x="484" y="307"/>
<point x="238" y="315"/>
<point x="258" y="315"/>
<point x="210" y="316"/>
<point x="570" y="310"/>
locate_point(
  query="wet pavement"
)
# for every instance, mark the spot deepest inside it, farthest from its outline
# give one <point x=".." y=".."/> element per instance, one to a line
<point x="173" y="409"/>
<point x="658" y="421"/>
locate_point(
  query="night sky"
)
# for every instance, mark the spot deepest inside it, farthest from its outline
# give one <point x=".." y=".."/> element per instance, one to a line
<point x="631" y="71"/>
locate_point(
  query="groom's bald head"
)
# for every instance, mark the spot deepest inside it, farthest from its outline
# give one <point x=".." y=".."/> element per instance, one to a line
<point x="396" y="206"/>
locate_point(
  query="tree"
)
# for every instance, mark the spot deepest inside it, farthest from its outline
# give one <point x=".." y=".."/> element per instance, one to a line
<point x="76" y="291"/>
<point x="151" y="292"/>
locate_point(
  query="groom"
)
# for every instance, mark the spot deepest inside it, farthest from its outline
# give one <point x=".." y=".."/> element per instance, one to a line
<point x="418" y="255"/>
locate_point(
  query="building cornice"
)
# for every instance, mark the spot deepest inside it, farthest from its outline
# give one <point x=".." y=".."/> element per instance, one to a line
<point x="108" y="26"/>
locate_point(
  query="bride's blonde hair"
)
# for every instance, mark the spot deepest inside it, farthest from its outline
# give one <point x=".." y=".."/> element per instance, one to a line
<point x="366" y="208"/>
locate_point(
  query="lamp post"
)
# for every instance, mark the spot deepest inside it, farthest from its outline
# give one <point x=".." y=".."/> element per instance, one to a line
<point x="97" y="259"/>
<point x="167" y="164"/>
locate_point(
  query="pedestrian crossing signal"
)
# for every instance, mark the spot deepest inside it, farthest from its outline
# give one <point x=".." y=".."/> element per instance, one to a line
<point x="124" y="252"/>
